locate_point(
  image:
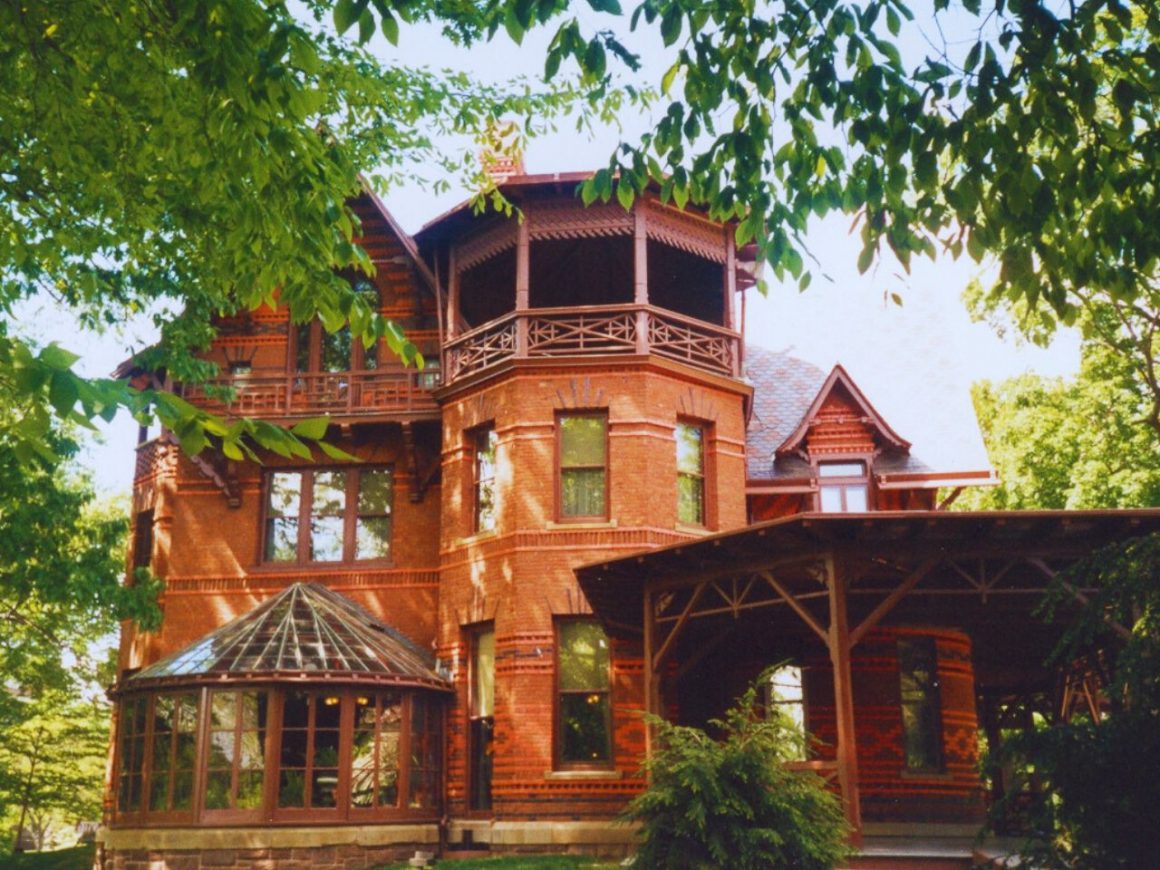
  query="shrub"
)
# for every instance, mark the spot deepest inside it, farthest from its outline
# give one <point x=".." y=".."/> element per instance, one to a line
<point x="731" y="802"/>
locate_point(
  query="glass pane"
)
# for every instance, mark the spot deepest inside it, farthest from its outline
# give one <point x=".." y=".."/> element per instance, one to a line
<point x="223" y="709"/>
<point x="221" y="748"/>
<point x="831" y="498"/>
<point x="362" y="760"/>
<point x="336" y="348"/>
<point x="485" y="442"/>
<point x="292" y="788"/>
<point x="582" y="441"/>
<point x="583" y="656"/>
<point x="162" y="746"/>
<point x="855" y="499"/>
<point x="584" y="727"/>
<point x="281" y="540"/>
<point x="841" y="469"/>
<point x="293" y="752"/>
<point x="296" y="710"/>
<point x="217" y="790"/>
<point x="326" y="539"/>
<point x="254" y="710"/>
<point x="249" y="789"/>
<point x="324" y="788"/>
<point x="328" y="712"/>
<point x="690" y="456"/>
<point x="302" y="353"/>
<point x="372" y="538"/>
<point x="186" y="751"/>
<point x="582" y="493"/>
<point x="690" y="504"/>
<point x="159" y="792"/>
<point x="163" y="709"/>
<point x="285" y="494"/>
<point x="483" y="673"/>
<point x="374" y="491"/>
<point x="186" y="720"/>
<point x="183" y="790"/>
<point x="329" y="493"/>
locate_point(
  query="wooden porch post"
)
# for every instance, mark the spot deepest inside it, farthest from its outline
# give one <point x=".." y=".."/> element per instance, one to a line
<point x="640" y="272"/>
<point x="839" y="643"/>
<point x="650" y="677"/>
<point x="452" y="295"/>
<point x="523" y="285"/>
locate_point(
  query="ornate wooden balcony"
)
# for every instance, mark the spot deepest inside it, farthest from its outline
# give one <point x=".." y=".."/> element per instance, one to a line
<point x="594" y="330"/>
<point x="387" y="392"/>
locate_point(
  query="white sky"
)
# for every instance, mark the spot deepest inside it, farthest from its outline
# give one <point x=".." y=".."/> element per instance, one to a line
<point x="845" y="318"/>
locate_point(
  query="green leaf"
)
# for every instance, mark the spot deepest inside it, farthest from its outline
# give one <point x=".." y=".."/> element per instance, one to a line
<point x="610" y="6"/>
<point x="390" y="28"/>
<point x="625" y="194"/>
<point x="56" y="357"/>
<point x="313" y="429"/>
<point x="62" y="392"/>
<point x="337" y="453"/>
<point x="346" y="13"/>
<point x="671" y="24"/>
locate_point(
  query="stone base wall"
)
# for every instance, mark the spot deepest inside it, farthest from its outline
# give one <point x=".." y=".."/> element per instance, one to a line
<point x="347" y="857"/>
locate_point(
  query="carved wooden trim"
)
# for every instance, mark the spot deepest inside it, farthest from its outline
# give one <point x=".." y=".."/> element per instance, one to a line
<point x="571" y="220"/>
<point x="687" y="233"/>
<point x="485" y="244"/>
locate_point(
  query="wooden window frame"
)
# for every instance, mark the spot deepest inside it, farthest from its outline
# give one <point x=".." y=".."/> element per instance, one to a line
<point x="702" y="478"/>
<point x="351" y="516"/>
<point x="561" y="517"/>
<point x="932" y="700"/>
<point x="475" y="436"/>
<point x="842" y="482"/>
<point x="379" y="811"/>
<point x="314" y="330"/>
<point x="306" y="812"/>
<point x="559" y="762"/>
<point x="235" y="814"/>
<point x="143" y="539"/>
<point x="147" y="763"/>
<point x="474" y="633"/>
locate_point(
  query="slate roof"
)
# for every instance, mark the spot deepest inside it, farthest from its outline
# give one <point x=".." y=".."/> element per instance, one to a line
<point x="307" y="632"/>
<point x="939" y="424"/>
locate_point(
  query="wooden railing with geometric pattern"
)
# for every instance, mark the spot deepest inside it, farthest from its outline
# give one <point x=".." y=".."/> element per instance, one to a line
<point x="597" y="330"/>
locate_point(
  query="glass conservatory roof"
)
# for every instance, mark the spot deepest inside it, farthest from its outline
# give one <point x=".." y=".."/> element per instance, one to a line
<point x="305" y="631"/>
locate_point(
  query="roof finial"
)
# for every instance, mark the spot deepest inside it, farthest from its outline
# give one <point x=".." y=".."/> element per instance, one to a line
<point x="502" y="151"/>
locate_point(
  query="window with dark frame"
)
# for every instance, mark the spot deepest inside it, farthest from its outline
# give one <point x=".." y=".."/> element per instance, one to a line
<point x="317" y="350"/>
<point x="308" y="771"/>
<point x="173" y="752"/>
<point x="584" y="704"/>
<point x="921" y="704"/>
<point x="690" y="474"/>
<point x="843" y="487"/>
<point x="236" y="754"/>
<point x="483" y="442"/>
<point x="784" y="693"/>
<point x="328" y="515"/>
<point x="143" y="539"/>
<point x="131" y="745"/>
<point x="583" y="466"/>
<point x="481" y="717"/>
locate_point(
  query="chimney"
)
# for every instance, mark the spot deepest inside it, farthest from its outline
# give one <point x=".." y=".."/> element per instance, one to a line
<point x="502" y="153"/>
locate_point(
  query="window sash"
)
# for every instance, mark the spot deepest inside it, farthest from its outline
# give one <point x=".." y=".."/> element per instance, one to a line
<point x="483" y="482"/>
<point x="584" y="695"/>
<point x="481" y="718"/>
<point x="582" y="447"/>
<point x="921" y="704"/>
<point x="690" y="440"/>
<point x="353" y="524"/>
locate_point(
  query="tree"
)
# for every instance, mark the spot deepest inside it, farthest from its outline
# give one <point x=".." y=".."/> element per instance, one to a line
<point x="1077" y="443"/>
<point x="732" y="802"/>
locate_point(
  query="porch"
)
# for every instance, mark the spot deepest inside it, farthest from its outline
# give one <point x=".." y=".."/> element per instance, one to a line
<point x="839" y="594"/>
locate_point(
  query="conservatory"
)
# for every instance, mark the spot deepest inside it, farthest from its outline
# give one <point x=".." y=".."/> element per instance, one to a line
<point x="306" y="710"/>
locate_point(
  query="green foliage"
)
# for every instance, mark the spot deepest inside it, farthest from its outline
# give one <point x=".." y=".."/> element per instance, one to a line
<point x="78" y="858"/>
<point x="1079" y="443"/>
<point x="731" y="802"/>
<point x="52" y="766"/>
<point x="1101" y="788"/>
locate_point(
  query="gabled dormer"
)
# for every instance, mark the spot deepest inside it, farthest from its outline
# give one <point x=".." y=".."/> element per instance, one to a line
<point x="816" y="442"/>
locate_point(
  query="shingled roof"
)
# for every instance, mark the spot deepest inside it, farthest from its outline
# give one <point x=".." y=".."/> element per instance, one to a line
<point x="304" y="632"/>
<point x="945" y="444"/>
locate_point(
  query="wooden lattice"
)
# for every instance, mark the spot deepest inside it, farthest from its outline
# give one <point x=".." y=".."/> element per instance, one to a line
<point x="481" y="348"/>
<point x="485" y="245"/>
<point x="558" y="334"/>
<point x="693" y="343"/>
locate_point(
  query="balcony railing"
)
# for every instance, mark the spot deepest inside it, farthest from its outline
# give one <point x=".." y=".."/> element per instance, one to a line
<point x="375" y="392"/>
<point x="598" y="330"/>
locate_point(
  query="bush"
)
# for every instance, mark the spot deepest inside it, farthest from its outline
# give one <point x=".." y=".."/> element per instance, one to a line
<point x="731" y="802"/>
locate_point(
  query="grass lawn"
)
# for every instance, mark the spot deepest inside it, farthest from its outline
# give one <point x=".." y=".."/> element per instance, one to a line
<point x="522" y="862"/>
<point x="80" y="858"/>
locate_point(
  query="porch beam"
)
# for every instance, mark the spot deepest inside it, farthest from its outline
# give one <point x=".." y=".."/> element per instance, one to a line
<point x="1119" y="628"/>
<point x="671" y="638"/>
<point x="796" y="606"/>
<point x="891" y="601"/>
<point x="847" y="749"/>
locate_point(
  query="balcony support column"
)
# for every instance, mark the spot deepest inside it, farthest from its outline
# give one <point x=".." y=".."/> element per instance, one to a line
<point x="729" y="289"/>
<point x="452" y="295"/>
<point x="640" y="272"/>
<point x="523" y="285"/>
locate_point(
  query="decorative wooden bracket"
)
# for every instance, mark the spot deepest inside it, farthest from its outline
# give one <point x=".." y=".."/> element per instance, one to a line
<point x="223" y="472"/>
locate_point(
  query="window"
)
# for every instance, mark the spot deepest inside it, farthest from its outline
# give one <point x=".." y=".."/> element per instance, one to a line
<point x="921" y="713"/>
<point x="328" y="516"/>
<point x="131" y="754"/>
<point x="236" y="763"/>
<point x="483" y="478"/>
<point x="173" y="752"/>
<point x="318" y="350"/>
<point x="843" y="487"/>
<point x="583" y="453"/>
<point x="784" y="694"/>
<point x="143" y="539"/>
<point x="378" y="726"/>
<point x="584" y="710"/>
<point x="481" y="718"/>
<point x="690" y="474"/>
<point x="308" y="758"/>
